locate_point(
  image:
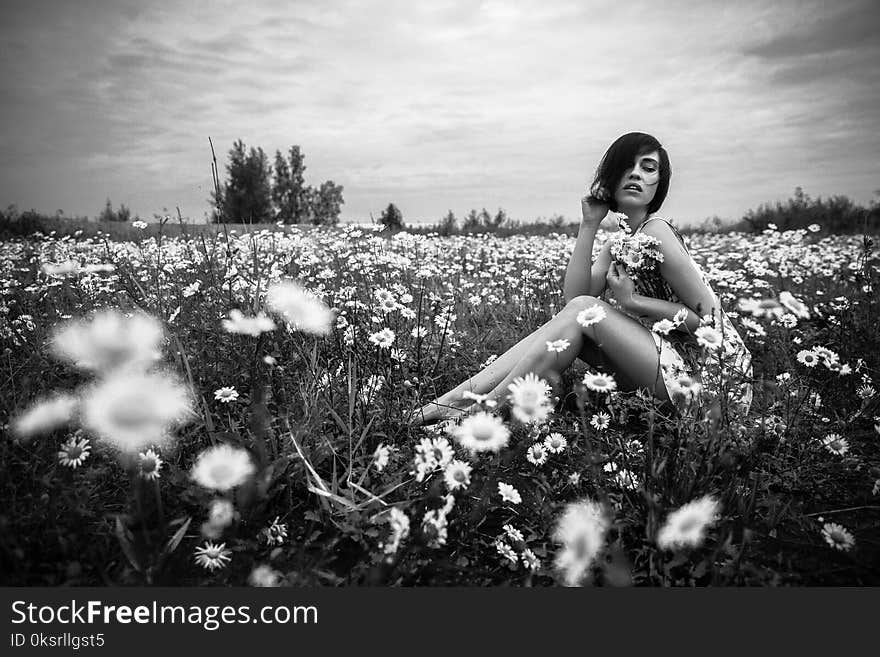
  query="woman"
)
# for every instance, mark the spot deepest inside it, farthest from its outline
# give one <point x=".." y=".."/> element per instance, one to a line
<point x="678" y="364"/>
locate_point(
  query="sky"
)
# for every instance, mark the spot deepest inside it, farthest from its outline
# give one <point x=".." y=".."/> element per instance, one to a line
<point x="437" y="105"/>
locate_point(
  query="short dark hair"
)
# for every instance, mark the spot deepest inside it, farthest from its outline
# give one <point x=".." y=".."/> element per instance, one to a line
<point x="620" y="156"/>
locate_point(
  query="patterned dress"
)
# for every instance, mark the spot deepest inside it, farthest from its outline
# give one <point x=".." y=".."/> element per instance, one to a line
<point x="689" y="372"/>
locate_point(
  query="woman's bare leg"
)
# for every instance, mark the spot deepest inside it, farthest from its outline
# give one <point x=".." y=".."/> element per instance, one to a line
<point x="452" y="403"/>
<point x="625" y="345"/>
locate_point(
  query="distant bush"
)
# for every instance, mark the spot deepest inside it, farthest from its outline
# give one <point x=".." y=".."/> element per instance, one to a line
<point x="837" y="214"/>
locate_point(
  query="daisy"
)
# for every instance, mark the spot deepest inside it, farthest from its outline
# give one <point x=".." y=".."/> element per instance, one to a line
<point x="687" y="525"/>
<point x="221" y="513"/>
<point x="264" y="576"/>
<point x="381" y="456"/>
<point x="45" y="415"/>
<point x="680" y="316"/>
<point x="536" y="454"/>
<point x="441" y="451"/>
<point x="796" y="306"/>
<point x="480" y="399"/>
<point x="592" y="315"/>
<point x="530" y="398"/>
<point x="808" y="357"/>
<point x="276" y="532"/>
<point x="762" y="307"/>
<point x="836" y="444"/>
<point x="708" y="337"/>
<point x="110" y="341"/>
<point x="530" y="560"/>
<point x="226" y="395"/>
<point x="600" y="382"/>
<point x="238" y="323"/>
<point x="574" y="478"/>
<point x="149" y="465"/>
<point x="509" y="493"/>
<point x="513" y="534"/>
<point x="135" y="410"/>
<point x="558" y="345"/>
<point x="383" y="339"/>
<point x="506" y="551"/>
<point x="481" y="432"/>
<point x="866" y="392"/>
<point x="664" y="326"/>
<point x="837" y="536"/>
<point x="212" y="555"/>
<point x="74" y="452"/>
<point x="581" y="531"/>
<point x="222" y="467"/>
<point x="600" y="420"/>
<point x="300" y="308"/>
<point x="399" y="525"/>
<point x="457" y="475"/>
<point x="435" y="528"/>
<point x="555" y="443"/>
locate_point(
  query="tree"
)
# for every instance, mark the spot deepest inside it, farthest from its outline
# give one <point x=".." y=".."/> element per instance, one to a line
<point x="500" y="218"/>
<point x="325" y="203"/>
<point x="289" y="193"/>
<point x="392" y="218"/>
<point x="247" y="194"/>
<point x="448" y="224"/>
<point x="123" y="214"/>
<point x="472" y="220"/>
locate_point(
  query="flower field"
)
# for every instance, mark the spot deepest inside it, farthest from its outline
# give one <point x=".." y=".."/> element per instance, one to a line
<point x="233" y="411"/>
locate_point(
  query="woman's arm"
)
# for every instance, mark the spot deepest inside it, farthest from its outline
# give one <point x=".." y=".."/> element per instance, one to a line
<point x="684" y="279"/>
<point x="580" y="280"/>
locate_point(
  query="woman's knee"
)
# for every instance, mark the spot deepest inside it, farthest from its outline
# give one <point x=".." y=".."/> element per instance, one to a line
<point x="583" y="301"/>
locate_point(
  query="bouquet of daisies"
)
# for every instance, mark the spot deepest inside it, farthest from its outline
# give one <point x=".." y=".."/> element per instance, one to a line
<point x="637" y="253"/>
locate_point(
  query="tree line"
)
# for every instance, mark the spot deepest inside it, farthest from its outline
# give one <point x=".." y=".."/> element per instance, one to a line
<point x="256" y="192"/>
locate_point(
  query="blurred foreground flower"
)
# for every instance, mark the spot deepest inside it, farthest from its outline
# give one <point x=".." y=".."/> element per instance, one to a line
<point x="45" y="416"/>
<point x="238" y="323"/>
<point x="482" y="432"/>
<point x="265" y="576"/>
<point x="686" y="526"/>
<point x="110" y="341"/>
<point x="304" y="311"/>
<point x="581" y="531"/>
<point x="529" y="396"/>
<point x="222" y="467"/>
<point x="135" y="410"/>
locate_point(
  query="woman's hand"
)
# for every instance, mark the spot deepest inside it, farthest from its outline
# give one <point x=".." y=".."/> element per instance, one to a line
<point x="594" y="207"/>
<point x="621" y="285"/>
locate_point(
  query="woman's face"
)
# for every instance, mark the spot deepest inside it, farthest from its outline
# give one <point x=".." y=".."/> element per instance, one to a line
<point x="638" y="184"/>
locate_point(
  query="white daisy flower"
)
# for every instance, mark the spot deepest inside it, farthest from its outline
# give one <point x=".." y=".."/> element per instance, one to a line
<point x="506" y="551"/>
<point x="149" y="465"/>
<point x="383" y="338"/>
<point x="74" y="452"/>
<point x="837" y="536"/>
<point x="226" y="394"/>
<point x="238" y="323"/>
<point x="530" y="560"/>
<point x="663" y="327"/>
<point x="264" y="576"/>
<point x="591" y="315"/>
<point x="581" y="530"/>
<point x="808" y="357"/>
<point x="135" y="410"/>
<point x="686" y="526"/>
<point x="513" y="533"/>
<point x="304" y="311"/>
<point x="536" y="454"/>
<point x="481" y="432"/>
<point x="708" y="337"/>
<point x="600" y="382"/>
<point x="381" y="456"/>
<point x="212" y="556"/>
<point x="457" y="475"/>
<point x="222" y="467"/>
<point x="509" y="493"/>
<point x="836" y="444"/>
<point x="600" y="421"/>
<point x="555" y="442"/>
<point x="529" y="396"/>
<point x="558" y="345"/>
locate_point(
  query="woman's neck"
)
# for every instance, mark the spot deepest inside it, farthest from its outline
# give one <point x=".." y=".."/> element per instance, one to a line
<point x="635" y="218"/>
